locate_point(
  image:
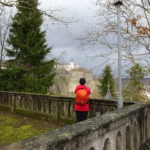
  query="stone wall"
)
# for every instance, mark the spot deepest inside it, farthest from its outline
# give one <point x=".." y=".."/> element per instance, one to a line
<point x="124" y="129"/>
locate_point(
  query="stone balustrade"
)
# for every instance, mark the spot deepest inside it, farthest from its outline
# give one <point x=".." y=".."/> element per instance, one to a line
<point x="59" y="107"/>
<point x="124" y="129"/>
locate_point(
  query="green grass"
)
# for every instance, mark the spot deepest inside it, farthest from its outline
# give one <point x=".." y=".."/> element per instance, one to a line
<point x="10" y="134"/>
<point x="11" y="131"/>
<point x="15" y="127"/>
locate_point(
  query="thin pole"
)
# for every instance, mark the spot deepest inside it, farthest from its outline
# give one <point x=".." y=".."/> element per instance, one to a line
<point x="120" y="98"/>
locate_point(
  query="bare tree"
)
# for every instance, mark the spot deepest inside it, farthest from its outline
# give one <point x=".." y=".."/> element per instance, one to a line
<point x="51" y="13"/>
<point x="135" y="30"/>
<point x="4" y="29"/>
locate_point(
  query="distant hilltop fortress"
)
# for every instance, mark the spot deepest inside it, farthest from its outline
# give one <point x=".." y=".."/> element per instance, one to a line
<point x="70" y="66"/>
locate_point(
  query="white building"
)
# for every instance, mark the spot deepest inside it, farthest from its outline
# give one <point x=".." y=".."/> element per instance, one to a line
<point x="68" y="67"/>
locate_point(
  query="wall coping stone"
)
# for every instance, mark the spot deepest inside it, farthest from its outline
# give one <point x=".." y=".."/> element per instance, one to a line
<point x="51" y="139"/>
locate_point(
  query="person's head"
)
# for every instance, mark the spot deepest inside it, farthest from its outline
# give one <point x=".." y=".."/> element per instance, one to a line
<point x="82" y="81"/>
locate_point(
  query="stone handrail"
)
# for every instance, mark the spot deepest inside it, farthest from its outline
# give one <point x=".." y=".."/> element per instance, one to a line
<point x="59" y="107"/>
<point x="124" y="129"/>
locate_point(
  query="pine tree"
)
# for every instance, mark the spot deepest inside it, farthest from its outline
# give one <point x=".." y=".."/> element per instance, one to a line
<point x="134" y="88"/>
<point x="106" y="80"/>
<point x="28" y="49"/>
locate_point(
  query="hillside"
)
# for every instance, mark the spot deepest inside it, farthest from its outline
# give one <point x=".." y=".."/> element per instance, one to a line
<point x="68" y="76"/>
<point x="66" y="81"/>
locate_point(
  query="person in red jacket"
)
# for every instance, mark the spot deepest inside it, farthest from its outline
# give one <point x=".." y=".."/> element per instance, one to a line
<point x="82" y="110"/>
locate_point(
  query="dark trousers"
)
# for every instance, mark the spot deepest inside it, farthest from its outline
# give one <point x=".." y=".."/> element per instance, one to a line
<point x="81" y="115"/>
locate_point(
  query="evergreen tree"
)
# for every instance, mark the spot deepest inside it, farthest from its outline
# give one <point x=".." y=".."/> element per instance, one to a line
<point x="28" y="49"/>
<point x="106" y="80"/>
<point x="134" y="88"/>
<point x="11" y="80"/>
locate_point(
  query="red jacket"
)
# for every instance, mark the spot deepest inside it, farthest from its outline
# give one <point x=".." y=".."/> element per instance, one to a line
<point x="85" y="107"/>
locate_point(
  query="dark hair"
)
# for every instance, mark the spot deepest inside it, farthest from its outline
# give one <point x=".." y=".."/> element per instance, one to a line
<point x="82" y="81"/>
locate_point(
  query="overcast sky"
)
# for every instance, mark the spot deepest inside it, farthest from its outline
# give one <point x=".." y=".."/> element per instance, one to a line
<point x="63" y="39"/>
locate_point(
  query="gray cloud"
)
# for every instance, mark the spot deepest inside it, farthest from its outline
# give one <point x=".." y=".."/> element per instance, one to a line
<point x="63" y="39"/>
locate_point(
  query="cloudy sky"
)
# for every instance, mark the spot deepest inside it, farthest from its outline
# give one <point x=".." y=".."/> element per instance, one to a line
<point x="63" y="39"/>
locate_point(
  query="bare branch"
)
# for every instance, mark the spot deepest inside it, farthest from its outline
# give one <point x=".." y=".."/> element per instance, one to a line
<point x="56" y="18"/>
<point x="135" y="29"/>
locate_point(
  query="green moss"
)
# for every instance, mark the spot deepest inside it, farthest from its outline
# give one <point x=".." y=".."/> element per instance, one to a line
<point x="7" y="120"/>
<point x="25" y="132"/>
<point x="10" y="134"/>
<point x="10" y="131"/>
<point x="22" y="125"/>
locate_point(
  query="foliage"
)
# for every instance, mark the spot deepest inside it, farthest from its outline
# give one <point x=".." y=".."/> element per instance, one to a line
<point x="134" y="88"/>
<point x="106" y="80"/>
<point x="26" y="39"/>
<point x="40" y="78"/>
<point x="27" y="52"/>
<point x="11" y="80"/>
